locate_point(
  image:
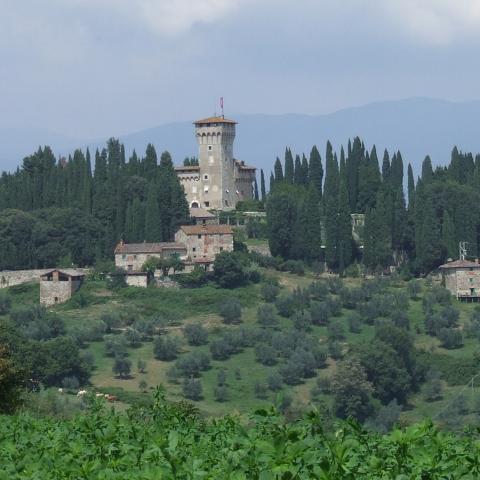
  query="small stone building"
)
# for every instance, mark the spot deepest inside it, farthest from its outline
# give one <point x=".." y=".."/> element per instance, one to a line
<point x="462" y="279"/>
<point x="132" y="256"/>
<point x="203" y="217"/>
<point x="58" y="286"/>
<point x="204" y="242"/>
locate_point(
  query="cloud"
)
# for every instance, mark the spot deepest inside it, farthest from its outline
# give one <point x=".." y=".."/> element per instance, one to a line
<point x="161" y="17"/>
<point x="439" y="22"/>
<point x="176" y="16"/>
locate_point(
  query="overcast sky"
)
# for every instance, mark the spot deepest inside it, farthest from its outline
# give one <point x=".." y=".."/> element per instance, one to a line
<point x="95" y="68"/>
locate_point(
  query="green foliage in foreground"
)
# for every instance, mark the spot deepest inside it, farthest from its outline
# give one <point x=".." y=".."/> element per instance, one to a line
<point x="169" y="441"/>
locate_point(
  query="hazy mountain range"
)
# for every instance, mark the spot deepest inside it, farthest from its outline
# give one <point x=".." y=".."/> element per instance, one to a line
<point x="416" y="127"/>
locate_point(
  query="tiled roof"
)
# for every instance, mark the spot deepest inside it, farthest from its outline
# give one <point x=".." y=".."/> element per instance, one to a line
<point x="189" y="168"/>
<point x="215" y="120"/>
<point x="460" y="264"/>
<point x="70" y="272"/>
<point x="207" y="229"/>
<point x="200" y="213"/>
<point x="124" y="248"/>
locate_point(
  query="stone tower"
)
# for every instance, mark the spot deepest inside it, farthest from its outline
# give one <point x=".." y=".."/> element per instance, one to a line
<point x="215" y="138"/>
<point x="219" y="181"/>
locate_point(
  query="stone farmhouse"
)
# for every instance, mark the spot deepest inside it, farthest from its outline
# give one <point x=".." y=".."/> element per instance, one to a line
<point x="219" y="181"/>
<point x="58" y="286"/>
<point x="194" y="245"/>
<point x="205" y="242"/>
<point x="462" y="279"/>
<point x="132" y="256"/>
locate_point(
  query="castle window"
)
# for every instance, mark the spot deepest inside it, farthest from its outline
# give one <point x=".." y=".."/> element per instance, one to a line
<point x="205" y="177"/>
<point x="207" y="204"/>
<point x="194" y="249"/>
<point x="199" y="236"/>
<point x="209" y="148"/>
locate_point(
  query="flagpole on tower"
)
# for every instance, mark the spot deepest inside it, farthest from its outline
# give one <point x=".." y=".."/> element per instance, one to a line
<point x="221" y="106"/>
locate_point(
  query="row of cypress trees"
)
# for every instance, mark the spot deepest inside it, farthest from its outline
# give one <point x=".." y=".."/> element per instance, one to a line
<point x="136" y="199"/>
<point x="311" y="220"/>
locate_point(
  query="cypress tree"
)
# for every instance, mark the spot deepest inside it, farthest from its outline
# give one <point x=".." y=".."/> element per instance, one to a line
<point x="377" y="236"/>
<point x="448" y="235"/>
<point x="87" y="184"/>
<point x="396" y="171"/>
<point x="315" y="170"/>
<point x="428" y="246"/>
<point x="427" y="170"/>
<point x="411" y="187"/>
<point x="272" y="181"/>
<point x="262" y="185"/>
<point x="386" y="167"/>
<point x="298" y="172"/>
<point x="255" y="189"/>
<point x="344" y="228"/>
<point x="150" y="162"/>
<point x="313" y="233"/>
<point x="174" y="210"/>
<point x="278" y="171"/>
<point x="153" y="228"/>
<point x="331" y="174"/>
<point x="289" y="166"/>
<point x="138" y="221"/>
<point x="399" y="220"/>
<point x="282" y="212"/>
<point x="300" y="228"/>
<point x="304" y="170"/>
<point x="355" y="158"/>
<point x="331" y="231"/>
<point x="369" y="182"/>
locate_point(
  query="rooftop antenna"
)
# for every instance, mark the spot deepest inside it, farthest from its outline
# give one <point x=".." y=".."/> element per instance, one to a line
<point x="221" y="106"/>
<point x="462" y="247"/>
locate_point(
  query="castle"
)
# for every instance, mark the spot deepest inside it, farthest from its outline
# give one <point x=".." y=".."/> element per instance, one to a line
<point x="219" y="181"/>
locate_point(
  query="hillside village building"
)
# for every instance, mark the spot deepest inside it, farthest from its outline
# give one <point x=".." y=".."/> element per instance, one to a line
<point x="205" y="242"/>
<point x="203" y="217"/>
<point x="219" y="181"/>
<point x="132" y="256"/>
<point x="58" y="286"/>
<point x="194" y="245"/>
<point x="462" y="279"/>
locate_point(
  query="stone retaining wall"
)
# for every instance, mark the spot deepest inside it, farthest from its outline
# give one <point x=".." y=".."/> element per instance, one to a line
<point x="9" y="278"/>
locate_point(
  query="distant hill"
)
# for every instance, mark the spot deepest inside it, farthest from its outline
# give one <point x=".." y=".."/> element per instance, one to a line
<point x="417" y="127"/>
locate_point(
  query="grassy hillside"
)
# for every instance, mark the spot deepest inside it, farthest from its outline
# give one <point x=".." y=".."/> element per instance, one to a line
<point x="245" y="378"/>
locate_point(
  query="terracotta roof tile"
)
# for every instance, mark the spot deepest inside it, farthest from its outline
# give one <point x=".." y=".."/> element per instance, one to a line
<point x="124" y="248"/>
<point x="460" y="264"/>
<point x="200" y="213"/>
<point x="207" y="229"/>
